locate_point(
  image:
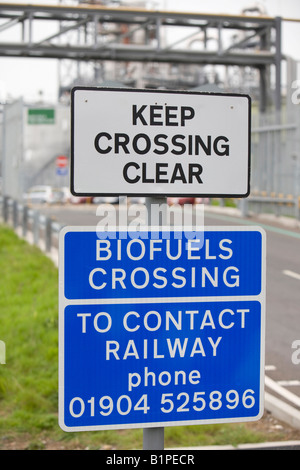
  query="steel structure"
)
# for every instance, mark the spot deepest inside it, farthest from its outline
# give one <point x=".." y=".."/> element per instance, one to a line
<point x="106" y="33"/>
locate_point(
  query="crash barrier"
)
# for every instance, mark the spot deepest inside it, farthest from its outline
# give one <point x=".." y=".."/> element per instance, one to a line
<point x="30" y="224"/>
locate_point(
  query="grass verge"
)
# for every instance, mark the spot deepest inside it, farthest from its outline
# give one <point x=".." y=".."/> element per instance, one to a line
<point x="29" y="379"/>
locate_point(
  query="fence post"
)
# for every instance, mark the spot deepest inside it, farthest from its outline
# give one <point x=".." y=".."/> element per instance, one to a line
<point x="15" y="213"/>
<point x="297" y="207"/>
<point x="36" y="228"/>
<point x="24" y="220"/>
<point x="48" y="232"/>
<point x="5" y="208"/>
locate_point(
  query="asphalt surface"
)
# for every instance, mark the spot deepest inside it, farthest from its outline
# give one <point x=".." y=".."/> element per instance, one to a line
<point x="282" y="297"/>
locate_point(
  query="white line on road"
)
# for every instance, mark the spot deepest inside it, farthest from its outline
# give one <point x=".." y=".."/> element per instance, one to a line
<point x="270" y="367"/>
<point x="288" y="383"/>
<point x="291" y="397"/>
<point x="291" y="274"/>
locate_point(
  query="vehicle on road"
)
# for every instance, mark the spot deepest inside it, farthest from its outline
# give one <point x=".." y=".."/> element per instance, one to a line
<point x="187" y="200"/>
<point x="44" y="194"/>
<point x="106" y="200"/>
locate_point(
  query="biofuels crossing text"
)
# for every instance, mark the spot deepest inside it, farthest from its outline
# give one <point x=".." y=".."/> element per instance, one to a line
<point x="161" y="277"/>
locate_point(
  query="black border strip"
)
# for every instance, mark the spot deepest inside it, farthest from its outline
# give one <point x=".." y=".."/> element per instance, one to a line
<point x="158" y="194"/>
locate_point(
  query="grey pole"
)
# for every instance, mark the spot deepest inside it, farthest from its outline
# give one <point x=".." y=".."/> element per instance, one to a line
<point x="153" y="438"/>
<point x="155" y="216"/>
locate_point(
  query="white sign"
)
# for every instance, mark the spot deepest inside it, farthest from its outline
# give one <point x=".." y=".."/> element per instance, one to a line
<point x="127" y="141"/>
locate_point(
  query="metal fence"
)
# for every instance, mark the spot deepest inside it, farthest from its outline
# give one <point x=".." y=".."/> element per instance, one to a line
<point x="275" y="165"/>
<point x="31" y="225"/>
<point x="277" y="204"/>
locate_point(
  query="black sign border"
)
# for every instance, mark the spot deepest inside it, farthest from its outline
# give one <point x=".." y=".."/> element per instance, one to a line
<point x="153" y="193"/>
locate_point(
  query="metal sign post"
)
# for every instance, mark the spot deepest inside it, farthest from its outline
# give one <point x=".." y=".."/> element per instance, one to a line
<point x="154" y="438"/>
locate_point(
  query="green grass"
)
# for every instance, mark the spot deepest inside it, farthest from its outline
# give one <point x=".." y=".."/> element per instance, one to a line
<point x="29" y="379"/>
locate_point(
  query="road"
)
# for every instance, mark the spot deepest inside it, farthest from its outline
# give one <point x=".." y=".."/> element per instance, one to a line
<point x="282" y="297"/>
<point x="283" y="292"/>
<point x="282" y="380"/>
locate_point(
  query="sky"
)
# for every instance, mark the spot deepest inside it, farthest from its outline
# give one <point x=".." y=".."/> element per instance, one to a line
<point x="36" y="78"/>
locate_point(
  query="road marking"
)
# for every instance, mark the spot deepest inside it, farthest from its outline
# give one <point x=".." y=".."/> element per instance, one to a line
<point x="291" y="397"/>
<point x="288" y="383"/>
<point x="270" y="367"/>
<point x="291" y="274"/>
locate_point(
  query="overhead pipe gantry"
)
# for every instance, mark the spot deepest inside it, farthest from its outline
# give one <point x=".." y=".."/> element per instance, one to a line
<point x="258" y="42"/>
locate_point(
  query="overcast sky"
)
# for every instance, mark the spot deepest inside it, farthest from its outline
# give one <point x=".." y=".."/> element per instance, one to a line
<point x="27" y="77"/>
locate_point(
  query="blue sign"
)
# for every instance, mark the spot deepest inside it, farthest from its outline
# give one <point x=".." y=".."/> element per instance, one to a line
<point x="164" y="333"/>
<point x="62" y="171"/>
<point x="216" y="263"/>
